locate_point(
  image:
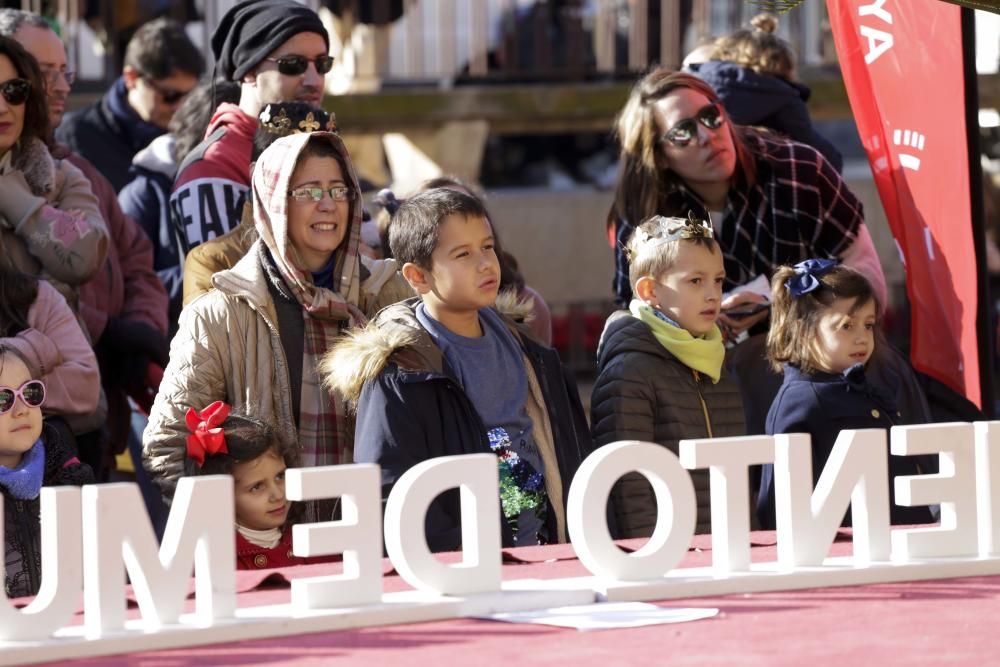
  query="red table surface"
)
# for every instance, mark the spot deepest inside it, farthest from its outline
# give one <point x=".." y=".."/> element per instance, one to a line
<point x="921" y="623"/>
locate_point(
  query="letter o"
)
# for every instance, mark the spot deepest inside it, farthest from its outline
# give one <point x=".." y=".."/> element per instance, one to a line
<point x="588" y="498"/>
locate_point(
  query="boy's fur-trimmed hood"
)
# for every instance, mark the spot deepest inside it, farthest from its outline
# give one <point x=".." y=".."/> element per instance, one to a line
<point x="395" y="334"/>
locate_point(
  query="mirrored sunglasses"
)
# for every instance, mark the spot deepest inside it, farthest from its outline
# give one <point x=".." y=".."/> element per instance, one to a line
<point x="32" y="393"/>
<point x="686" y="131"/>
<point x="297" y="65"/>
<point x="15" y="91"/>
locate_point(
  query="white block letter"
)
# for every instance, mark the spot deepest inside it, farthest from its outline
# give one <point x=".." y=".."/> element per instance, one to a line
<point x="588" y="498"/>
<point x="200" y="531"/>
<point x="62" y="570"/>
<point x="406" y="508"/>
<point x="876" y="9"/>
<point x="856" y="473"/>
<point x="728" y="461"/>
<point x="954" y="487"/>
<point x="988" y="486"/>
<point x="878" y="43"/>
<point x="358" y="535"/>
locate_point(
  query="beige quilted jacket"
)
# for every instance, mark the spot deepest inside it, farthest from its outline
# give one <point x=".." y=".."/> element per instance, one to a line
<point x="227" y="348"/>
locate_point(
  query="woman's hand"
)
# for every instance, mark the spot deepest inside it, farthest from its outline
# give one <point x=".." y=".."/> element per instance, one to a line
<point x="733" y="325"/>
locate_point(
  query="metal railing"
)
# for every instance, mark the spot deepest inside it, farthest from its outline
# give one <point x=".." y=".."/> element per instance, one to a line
<point x="440" y="42"/>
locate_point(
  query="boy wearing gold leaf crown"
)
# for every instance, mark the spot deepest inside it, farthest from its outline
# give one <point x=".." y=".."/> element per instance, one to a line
<point x="660" y="363"/>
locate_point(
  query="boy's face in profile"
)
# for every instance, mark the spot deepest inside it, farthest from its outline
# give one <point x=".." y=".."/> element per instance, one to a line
<point x="691" y="290"/>
<point x="465" y="273"/>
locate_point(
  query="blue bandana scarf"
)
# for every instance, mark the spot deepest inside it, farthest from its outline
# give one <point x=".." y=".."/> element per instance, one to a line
<point x="25" y="481"/>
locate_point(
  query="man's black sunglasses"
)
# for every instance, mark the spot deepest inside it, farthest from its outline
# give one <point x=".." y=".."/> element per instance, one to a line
<point x="297" y="65"/>
<point x="15" y="91"/>
<point x="168" y="95"/>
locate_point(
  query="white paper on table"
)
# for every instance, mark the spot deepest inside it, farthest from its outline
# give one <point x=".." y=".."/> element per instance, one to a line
<point x="606" y="615"/>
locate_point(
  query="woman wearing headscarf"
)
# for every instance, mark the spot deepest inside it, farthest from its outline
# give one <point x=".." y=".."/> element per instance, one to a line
<point x="255" y="340"/>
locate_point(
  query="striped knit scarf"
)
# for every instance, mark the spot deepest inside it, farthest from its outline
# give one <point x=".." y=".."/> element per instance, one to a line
<point x="326" y="434"/>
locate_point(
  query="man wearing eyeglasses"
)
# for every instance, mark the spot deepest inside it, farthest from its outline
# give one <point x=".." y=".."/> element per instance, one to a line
<point x="162" y="66"/>
<point x="124" y="307"/>
<point x="278" y="51"/>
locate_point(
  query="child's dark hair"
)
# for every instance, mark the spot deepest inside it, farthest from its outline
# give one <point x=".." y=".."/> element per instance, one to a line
<point x="17" y="292"/>
<point x="795" y="319"/>
<point x="7" y="350"/>
<point x="246" y="439"/>
<point x="413" y="234"/>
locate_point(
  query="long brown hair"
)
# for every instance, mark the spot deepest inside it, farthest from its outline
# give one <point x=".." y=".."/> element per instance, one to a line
<point x="795" y="320"/>
<point x="36" y="110"/>
<point x="644" y="176"/>
<point x="17" y="292"/>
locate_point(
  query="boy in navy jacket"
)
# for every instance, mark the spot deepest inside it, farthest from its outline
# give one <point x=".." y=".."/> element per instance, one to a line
<point x="449" y="373"/>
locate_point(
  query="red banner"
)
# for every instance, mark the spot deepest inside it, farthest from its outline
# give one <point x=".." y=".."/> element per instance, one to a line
<point x="902" y="65"/>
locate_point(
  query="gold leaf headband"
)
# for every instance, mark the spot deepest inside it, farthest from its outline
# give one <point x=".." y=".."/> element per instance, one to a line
<point x="668" y="230"/>
<point x="280" y="123"/>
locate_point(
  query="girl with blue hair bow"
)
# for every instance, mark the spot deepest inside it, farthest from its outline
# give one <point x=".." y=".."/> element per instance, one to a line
<point x="824" y="332"/>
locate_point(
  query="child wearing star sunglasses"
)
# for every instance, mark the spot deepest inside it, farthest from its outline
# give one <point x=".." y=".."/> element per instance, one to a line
<point x="31" y="456"/>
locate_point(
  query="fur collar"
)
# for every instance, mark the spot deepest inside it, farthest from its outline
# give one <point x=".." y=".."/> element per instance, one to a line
<point x="32" y="158"/>
<point x="361" y="354"/>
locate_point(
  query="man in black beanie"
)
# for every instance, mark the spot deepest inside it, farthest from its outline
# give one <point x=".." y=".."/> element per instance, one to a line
<point x="278" y="51"/>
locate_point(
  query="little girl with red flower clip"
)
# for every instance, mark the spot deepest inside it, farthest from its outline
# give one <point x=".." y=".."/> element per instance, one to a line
<point x="226" y="443"/>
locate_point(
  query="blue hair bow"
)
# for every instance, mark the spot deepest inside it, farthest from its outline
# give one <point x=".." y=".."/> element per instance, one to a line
<point x="807" y="275"/>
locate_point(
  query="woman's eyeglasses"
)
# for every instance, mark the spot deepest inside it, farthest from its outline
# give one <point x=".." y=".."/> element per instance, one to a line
<point x="338" y="193"/>
<point x="686" y="131"/>
<point x="31" y="392"/>
<point x="15" y="91"/>
<point x="297" y="65"/>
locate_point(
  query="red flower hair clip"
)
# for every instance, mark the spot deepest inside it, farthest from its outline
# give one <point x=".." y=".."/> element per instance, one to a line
<point x="207" y="437"/>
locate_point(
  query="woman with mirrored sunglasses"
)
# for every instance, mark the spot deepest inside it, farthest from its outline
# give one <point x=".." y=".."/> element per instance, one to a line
<point x="32" y="455"/>
<point x="50" y="224"/>
<point x="771" y="200"/>
<point x="256" y="339"/>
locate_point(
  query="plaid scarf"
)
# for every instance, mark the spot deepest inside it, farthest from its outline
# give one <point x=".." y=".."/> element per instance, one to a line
<point x="326" y="434"/>
<point x="799" y="208"/>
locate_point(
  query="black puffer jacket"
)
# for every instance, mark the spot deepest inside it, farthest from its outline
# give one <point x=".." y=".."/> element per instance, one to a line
<point x="643" y="392"/>
<point x="22" y="530"/>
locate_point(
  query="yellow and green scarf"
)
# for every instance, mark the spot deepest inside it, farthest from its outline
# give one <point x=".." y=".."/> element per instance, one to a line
<point x="704" y="355"/>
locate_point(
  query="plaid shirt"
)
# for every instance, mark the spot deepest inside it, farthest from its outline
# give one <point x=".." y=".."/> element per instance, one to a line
<point x="799" y="208"/>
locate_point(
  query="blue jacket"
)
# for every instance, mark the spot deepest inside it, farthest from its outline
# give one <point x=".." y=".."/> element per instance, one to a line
<point x="822" y="405"/>
<point x="146" y="199"/>
<point x="769" y="101"/>
<point x="410" y="408"/>
<point x="108" y="133"/>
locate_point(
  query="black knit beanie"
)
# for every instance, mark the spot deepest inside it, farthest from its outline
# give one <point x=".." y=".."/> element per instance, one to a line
<point x="254" y="28"/>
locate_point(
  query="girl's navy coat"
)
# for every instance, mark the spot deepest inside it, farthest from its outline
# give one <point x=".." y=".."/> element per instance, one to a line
<point x="822" y="405"/>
